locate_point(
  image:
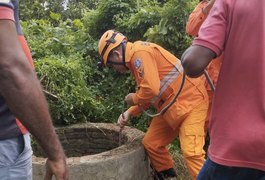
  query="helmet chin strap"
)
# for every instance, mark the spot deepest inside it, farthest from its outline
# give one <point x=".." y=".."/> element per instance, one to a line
<point x="123" y="47"/>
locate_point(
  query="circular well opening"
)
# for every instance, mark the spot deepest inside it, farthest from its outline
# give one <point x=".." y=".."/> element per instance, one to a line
<point x="85" y="140"/>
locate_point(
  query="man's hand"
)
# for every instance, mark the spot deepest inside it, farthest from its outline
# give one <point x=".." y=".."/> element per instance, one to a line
<point x="129" y="99"/>
<point x="124" y="118"/>
<point x="208" y="7"/>
<point x="57" y="168"/>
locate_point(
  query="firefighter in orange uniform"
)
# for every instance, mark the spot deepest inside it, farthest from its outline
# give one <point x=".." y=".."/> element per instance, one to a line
<point x="198" y="16"/>
<point x="193" y="25"/>
<point x="158" y="75"/>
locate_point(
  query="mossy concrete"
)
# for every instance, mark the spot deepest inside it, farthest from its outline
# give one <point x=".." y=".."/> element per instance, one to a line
<point x="97" y="155"/>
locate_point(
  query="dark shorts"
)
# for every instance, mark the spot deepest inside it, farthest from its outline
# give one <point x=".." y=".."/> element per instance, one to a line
<point x="214" y="171"/>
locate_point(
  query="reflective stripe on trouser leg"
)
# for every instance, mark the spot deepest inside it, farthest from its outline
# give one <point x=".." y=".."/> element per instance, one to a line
<point x="158" y="136"/>
<point x="192" y="139"/>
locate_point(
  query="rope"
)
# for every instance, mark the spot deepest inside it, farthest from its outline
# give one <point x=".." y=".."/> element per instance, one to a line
<point x="120" y="132"/>
<point x="175" y="97"/>
<point x="169" y="104"/>
<point x="209" y="80"/>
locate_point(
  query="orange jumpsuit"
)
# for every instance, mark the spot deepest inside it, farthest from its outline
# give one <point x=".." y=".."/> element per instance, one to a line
<point x="193" y="25"/>
<point x="158" y="75"/>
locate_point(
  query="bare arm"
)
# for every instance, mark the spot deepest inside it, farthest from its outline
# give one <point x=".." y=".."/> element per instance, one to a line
<point x="23" y="94"/>
<point x="195" y="59"/>
<point x="124" y="118"/>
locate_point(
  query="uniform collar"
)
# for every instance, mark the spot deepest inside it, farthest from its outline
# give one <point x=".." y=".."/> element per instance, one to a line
<point x="128" y="52"/>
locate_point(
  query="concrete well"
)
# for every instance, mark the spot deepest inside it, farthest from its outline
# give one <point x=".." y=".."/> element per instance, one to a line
<point x="94" y="153"/>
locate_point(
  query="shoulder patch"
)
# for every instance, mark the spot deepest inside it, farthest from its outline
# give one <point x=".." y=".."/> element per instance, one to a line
<point x="138" y="63"/>
<point x="139" y="68"/>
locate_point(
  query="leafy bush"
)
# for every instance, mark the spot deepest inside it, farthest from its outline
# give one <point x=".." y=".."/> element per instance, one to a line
<point x="65" y="78"/>
<point x="64" y="47"/>
<point x="145" y="16"/>
<point x="104" y="17"/>
<point x="65" y="39"/>
<point x="170" y="31"/>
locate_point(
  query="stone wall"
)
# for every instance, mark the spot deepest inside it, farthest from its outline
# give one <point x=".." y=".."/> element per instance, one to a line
<point x="94" y="153"/>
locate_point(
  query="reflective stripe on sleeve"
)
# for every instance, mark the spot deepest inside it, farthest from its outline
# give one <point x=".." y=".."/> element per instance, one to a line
<point x="168" y="79"/>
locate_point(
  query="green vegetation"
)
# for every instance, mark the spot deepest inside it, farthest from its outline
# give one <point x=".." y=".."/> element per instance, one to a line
<point x="63" y="40"/>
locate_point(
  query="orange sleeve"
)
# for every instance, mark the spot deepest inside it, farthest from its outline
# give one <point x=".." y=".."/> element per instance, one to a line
<point x="196" y="19"/>
<point x="145" y="72"/>
<point x="6" y="13"/>
<point x="26" y="49"/>
<point x="137" y="110"/>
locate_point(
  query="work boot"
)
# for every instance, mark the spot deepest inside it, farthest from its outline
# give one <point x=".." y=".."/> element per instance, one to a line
<point x="164" y="175"/>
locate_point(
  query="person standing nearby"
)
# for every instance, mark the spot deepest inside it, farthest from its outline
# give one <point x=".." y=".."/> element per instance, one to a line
<point x="196" y="18"/>
<point x="237" y="146"/>
<point x="21" y="96"/>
